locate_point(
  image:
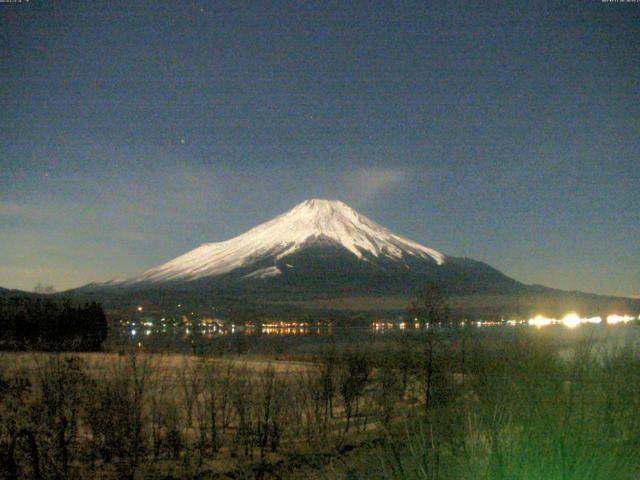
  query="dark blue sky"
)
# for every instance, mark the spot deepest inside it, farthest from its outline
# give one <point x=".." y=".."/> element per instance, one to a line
<point x="508" y="132"/>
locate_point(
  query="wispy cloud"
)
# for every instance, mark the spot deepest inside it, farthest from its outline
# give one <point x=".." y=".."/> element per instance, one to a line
<point x="365" y="184"/>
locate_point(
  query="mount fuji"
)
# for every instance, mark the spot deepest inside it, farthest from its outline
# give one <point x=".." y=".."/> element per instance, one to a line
<point x="318" y="249"/>
<point x="313" y="223"/>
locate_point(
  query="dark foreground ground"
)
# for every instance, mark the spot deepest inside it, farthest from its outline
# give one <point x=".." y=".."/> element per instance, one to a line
<point x="461" y="404"/>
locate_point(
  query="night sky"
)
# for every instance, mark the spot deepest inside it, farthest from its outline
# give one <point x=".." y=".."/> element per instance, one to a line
<point x="134" y="131"/>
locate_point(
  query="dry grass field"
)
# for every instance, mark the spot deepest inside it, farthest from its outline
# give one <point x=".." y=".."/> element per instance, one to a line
<point x="175" y="416"/>
<point x="169" y="364"/>
<point x="461" y="406"/>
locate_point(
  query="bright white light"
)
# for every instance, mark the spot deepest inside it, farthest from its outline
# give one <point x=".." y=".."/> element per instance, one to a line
<point x="133" y="333"/>
<point x="571" y="320"/>
<point x="541" y="321"/>
<point x="140" y="308"/>
<point x="613" y="319"/>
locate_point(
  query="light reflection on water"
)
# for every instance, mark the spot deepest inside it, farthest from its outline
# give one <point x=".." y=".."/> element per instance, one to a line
<point x="573" y="320"/>
<point x="284" y="338"/>
<point x="293" y="329"/>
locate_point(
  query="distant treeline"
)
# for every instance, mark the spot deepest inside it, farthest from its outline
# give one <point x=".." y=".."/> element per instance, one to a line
<point x="44" y="324"/>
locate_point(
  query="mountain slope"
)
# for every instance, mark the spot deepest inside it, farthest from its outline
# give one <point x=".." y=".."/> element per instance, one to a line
<point x="318" y="249"/>
<point x="322" y="250"/>
<point x="311" y="223"/>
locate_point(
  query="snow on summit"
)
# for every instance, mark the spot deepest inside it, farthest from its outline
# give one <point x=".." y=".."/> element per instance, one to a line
<point x="308" y="223"/>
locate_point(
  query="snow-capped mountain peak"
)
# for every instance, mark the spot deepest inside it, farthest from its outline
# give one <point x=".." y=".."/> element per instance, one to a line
<point x="310" y="222"/>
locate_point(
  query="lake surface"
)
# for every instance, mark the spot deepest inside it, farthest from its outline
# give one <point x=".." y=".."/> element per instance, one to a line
<point x="310" y="338"/>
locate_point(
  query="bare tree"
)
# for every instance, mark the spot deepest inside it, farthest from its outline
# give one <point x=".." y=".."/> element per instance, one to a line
<point x="115" y="414"/>
<point x="432" y="309"/>
<point x="389" y="390"/>
<point x="327" y="379"/>
<point x="214" y="389"/>
<point x="310" y="400"/>
<point x="225" y="395"/>
<point x="191" y="380"/>
<point x="353" y="376"/>
<point x="61" y="382"/>
<point x="165" y="423"/>
<point x="241" y="396"/>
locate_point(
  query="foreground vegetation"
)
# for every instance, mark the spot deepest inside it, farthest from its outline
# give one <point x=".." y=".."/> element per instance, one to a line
<point x="434" y="406"/>
<point x="40" y="323"/>
<point x="525" y="412"/>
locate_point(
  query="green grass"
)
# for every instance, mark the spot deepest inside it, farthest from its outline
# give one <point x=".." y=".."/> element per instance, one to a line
<point x="525" y="413"/>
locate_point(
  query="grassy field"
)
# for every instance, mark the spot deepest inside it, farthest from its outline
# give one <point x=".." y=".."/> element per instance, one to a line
<point x="170" y="364"/>
<point x="465" y="405"/>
